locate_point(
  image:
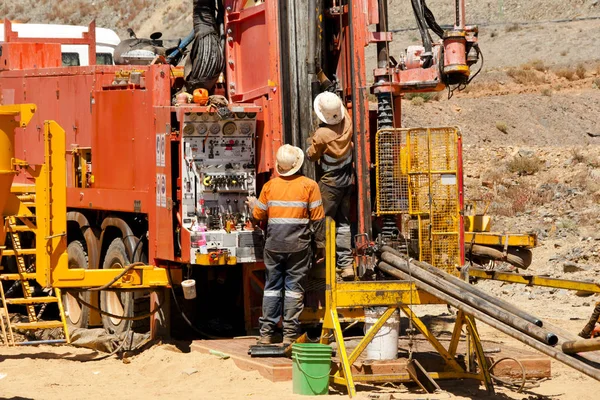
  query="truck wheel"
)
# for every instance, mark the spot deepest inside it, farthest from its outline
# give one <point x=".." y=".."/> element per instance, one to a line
<point x="77" y="315"/>
<point x="116" y="302"/>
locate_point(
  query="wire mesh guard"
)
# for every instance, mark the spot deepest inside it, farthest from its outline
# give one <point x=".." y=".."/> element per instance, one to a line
<point x="417" y="175"/>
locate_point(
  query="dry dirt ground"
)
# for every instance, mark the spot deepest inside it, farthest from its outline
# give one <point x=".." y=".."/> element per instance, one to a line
<point x="163" y="372"/>
<point x="531" y="149"/>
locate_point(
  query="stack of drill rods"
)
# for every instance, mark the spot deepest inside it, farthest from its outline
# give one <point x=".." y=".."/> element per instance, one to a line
<point x="485" y="318"/>
<point x="470" y="288"/>
<point x="471" y="299"/>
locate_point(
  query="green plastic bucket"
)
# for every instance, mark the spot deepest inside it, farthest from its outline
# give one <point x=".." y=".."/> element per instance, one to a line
<point x="311" y="365"/>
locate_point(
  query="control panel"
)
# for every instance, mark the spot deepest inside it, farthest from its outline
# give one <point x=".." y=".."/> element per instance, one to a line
<point x="218" y="173"/>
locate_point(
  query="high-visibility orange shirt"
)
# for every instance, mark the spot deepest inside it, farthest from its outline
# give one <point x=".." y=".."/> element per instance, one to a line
<point x="294" y="212"/>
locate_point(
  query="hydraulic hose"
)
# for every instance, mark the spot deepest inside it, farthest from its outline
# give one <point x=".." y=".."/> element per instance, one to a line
<point x="425" y="37"/>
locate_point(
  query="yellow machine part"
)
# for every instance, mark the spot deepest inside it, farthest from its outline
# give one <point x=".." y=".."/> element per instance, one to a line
<point x="417" y="173"/>
<point x="215" y="258"/>
<point x="19" y="116"/>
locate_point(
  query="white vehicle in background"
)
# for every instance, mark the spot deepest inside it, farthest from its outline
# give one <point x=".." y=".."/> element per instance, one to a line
<point x="72" y="54"/>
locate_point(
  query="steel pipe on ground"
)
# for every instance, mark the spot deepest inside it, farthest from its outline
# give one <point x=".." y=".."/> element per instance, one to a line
<point x="472" y="300"/>
<point x="581" y="346"/>
<point x="468" y="287"/>
<point x="502" y="327"/>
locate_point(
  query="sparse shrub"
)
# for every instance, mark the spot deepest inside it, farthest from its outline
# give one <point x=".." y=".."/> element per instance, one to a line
<point x="547" y="92"/>
<point x="538" y="65"/>
<point x="566" y="73"/>
<point x="567" y="224"/>
<point x="425" y="97"/>
<point x="417" y="101"/>
<point x="526" y="76"/>
<point x="524" y="165"/>
<point x="596" y="83"/>
<point x="519" y="198"/>
<point x="564" y="53"/>
<point x="513" y="27"/>
<point x="502" y="127"/>
<point x="580" y="71"/>
<point x="577" y="155"/>
<point x="493" y="34"/>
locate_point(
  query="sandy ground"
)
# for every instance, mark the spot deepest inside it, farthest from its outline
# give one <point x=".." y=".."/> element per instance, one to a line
<point x="163" y="371"/>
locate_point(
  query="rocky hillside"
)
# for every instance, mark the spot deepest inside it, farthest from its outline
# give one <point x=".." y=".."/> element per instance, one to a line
<point x="173" y="16"/>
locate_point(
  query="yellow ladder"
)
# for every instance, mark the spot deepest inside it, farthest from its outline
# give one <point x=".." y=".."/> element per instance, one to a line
<point x="13" y="230"/>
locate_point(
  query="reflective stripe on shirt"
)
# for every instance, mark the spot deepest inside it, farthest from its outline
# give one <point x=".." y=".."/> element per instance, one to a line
<point x="331" y="164"/>
<point x="315" y="204"/>
<point x="288" y="221"/>
<point x="277" y="203"/>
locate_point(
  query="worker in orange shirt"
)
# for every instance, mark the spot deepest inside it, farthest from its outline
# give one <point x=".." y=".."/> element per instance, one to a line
<point x="292" y="206"/>
<point x="331" y="146"/>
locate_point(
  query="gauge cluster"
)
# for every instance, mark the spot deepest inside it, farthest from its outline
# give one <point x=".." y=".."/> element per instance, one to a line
<point x="218" y="173"/>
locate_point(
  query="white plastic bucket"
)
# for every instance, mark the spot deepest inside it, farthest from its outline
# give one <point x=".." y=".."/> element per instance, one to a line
<point x="384" y="345"/>
<point x="189" y="289"/>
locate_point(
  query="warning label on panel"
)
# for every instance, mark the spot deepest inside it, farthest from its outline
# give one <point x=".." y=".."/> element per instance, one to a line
<point x="163" y="190"/>
<point x="160" y="150"/>
<point x="158" y="190"/>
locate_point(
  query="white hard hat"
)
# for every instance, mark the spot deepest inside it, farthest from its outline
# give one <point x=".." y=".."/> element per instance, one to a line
<point x="289" y="160"/>
<point x="329" y="108"/>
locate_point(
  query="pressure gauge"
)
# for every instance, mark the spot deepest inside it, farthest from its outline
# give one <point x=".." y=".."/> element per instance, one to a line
<point x="215" y="129"/>
<point x="204" y="116"/>
<point x="251" y="115"/>
<point x="229" y="128"/>
<point x="245" y="128"/>
<point x="240" y="115"/>
<point x="201" y="129"/>
<point x="188" y="129"/>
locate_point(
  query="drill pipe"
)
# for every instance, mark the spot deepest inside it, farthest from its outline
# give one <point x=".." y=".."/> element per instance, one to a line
<point x="472" y="300"/>
<point x="581" y="346"/>
<point x="501" y="326"/>
<point x="470" y="288"/>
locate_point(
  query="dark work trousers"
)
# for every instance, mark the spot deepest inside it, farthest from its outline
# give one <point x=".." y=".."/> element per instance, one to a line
<point x="285" y="277"/>
<point x="336" y="204"/>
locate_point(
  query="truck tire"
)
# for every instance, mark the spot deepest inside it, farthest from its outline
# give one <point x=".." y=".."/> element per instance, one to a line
<point x="77" y="315"/>
<point x="116" y="302"/>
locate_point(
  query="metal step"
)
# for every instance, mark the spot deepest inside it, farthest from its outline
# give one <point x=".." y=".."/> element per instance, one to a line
<point x="23" y="252"/>
<point x="37" y="325"/>
<point x="21" y="228"/>
<point x="17" y="277"/>
<point x="32" y="300"/>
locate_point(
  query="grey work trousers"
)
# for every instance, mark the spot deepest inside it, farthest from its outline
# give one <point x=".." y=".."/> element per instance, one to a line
<point x="285" y="275"/>
<point x="336" y="204"/>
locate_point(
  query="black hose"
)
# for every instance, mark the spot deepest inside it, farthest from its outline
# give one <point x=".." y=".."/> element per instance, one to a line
<point x="431" y="22"/>
<point x="126" y="269"/>
<point x="425" y="37"/>
<point x="185" y="318"/>
<point x="139" y="317"/>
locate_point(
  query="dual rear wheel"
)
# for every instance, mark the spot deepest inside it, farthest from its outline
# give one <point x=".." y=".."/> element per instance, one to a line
<point x="119" y="303"/>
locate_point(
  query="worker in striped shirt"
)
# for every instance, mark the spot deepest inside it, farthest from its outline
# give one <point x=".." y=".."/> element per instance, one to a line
<point x="331" y="146"/>
<point x="292" y="206"/>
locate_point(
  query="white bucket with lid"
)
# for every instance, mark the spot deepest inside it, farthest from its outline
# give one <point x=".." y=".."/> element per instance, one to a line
<point x="384" y="345"/>
<point x="189" y="289"/>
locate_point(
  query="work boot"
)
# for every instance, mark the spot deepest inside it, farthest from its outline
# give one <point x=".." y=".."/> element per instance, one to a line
<point x="347" y="274"/>
<point x="287" y="340"/>
<point x="266" y="340"/>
